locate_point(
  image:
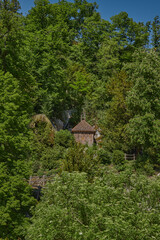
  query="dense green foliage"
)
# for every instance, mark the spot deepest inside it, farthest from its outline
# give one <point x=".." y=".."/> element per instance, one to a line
<point x="64" y="57"/>
<point x="143" y="104"/>
<point x="115" y="206"/>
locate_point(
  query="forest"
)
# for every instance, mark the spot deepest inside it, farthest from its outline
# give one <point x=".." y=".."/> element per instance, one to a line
<point x="64" y="57"/>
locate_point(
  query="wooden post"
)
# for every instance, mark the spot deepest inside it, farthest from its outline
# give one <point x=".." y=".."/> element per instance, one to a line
<point x="30" y="180"/>
<point x="43" y="180"/>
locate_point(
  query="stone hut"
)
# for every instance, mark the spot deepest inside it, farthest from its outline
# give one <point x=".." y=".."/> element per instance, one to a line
<point x="84" y="133"/>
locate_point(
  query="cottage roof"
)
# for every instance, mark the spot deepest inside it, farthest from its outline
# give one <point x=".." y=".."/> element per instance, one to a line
<point x="83" y="126"/>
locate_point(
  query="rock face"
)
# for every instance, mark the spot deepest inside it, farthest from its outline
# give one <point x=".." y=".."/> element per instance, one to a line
<point x="59" y="124"/>
<point x="84" y="133"/>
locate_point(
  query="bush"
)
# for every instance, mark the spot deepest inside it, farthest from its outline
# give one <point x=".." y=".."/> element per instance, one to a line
<point x="47" y="157"/>
<point x="82" y="159"/>
<point x="143" y="164"/>
<point x="105" y="156"/>
<point x="64" y="138"/>
<point x="118" y="157"/>
<point x="51" y="157"/>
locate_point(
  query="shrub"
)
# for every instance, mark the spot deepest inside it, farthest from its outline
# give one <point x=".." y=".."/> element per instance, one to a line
<point x="143" y="163"/>
<point x="64" y="138"/>
<point x="104" y="156"/>
<point x="82" y="159"/>
<point x="118" y="157"/>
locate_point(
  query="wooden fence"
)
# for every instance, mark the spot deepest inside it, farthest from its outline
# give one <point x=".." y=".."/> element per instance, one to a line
<point x="129" y="156"/>
<point x="36" y="181"/>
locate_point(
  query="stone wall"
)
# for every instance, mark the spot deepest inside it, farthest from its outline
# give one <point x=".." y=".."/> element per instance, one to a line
<point x="84" y="138"/>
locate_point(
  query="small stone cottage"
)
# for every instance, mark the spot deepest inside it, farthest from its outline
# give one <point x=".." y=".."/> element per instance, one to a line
<point x="84" y="133"/>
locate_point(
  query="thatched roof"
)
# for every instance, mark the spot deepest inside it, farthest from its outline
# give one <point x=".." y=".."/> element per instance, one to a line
<point x="83" y="126"/>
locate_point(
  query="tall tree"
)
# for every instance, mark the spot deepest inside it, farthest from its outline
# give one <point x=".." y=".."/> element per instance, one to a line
<point x="156" y="33"/>
<point x="15" y="151"/>
<point x="53" y="51"/>
<point x="39" y="14"/>
<point x="130" y="35"/>
<point x="116" y="115"/>
<point x="144" y="104"/>
<point x="108" y="58"/>
<point x="49" y="46"/>
<point x="10" y="28"/>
